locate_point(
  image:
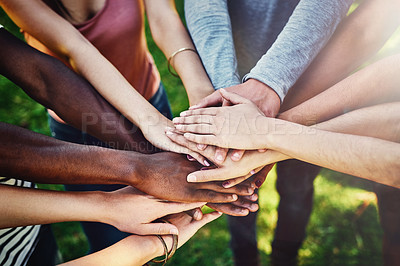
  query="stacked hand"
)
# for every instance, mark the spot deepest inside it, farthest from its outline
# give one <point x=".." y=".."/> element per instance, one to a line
<point x="241" y="126"/>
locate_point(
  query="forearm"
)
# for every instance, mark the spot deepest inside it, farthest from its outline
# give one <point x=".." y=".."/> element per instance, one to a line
<point x="358" y="37"/>
<point x="375" y="84"/>
<point x="25" y="206"/>
<point x="170" y="35"/>
<point x="365" y="157"/>
<point x="38" y="158"/>
<point x="210" y="27"/>
<point x="52" y="84"/>
<point x="380" y="121"/>
<point x="133" y="250"/>
<point x="307" y="31"/>
<point x="37" y="19"/>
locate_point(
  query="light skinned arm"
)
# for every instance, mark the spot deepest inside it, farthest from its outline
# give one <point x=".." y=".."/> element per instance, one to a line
<point x="52" y="84"/>
<point x="375" y="84"/>
<point x="170" y="35"/>
<point x="59" y="162"/>
<point x="375" y="131"/>
<point x="357" y="38"/>
<point x="137" y="250"/>
<point x="37" y="19"/>
<point x="127" y="209"/>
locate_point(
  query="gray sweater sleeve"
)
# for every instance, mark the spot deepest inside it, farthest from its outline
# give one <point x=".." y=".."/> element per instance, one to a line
<point x="307" y="31"/>
<point x="209" y="25"/>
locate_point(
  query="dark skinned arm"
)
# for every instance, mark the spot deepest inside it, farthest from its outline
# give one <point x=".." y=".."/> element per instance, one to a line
<point x="52" y="84"/>
<point x="38" y="158"/>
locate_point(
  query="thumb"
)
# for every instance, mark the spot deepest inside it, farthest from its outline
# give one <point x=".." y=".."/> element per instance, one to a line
<point x="233" y="97"/>
<point x="157" y="229"/>
<point x="213" y="99"/>
<point x="208" y="175"/>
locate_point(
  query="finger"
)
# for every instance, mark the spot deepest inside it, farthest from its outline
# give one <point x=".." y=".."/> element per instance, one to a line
<point x="236" y="155"/>
<point x="196" y="128"/>
<point x="215" y="197"/>
<point x="226" y="103"/>
<point x="177" y="207"/>
<point x="229" y="209"/>
<point x="244" y="203"/>
<point x="260" y="177"/>
<point x="209" y="217"/>
<point x="203" y="139"/>
<point x="233" y="97"/>
<point x="253" y="197"/>
<point x="178" y="138"/>
<point x="216" y="174"/>
<point x="220" y="155"/>
<point x="240" y="190"/>
<point x="202" y="111"/>
<point x="156" y="229"/>
<point x="214" y="99"/>
<point x="187" y="147"/>
<point x="233" y="182"/>
<point x="195" y="119"/>
<point x="196" y="214"/>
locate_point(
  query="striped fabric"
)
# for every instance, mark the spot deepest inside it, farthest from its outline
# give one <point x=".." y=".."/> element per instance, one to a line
<point x="17" y="244"/>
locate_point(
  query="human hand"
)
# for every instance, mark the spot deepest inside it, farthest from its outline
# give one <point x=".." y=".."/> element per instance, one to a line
<point x="187" y="226"/>
<point x="230" y="172"/>
<point x="153" y="130"/>
<point x="240" y="126"/>
<point x="260" y="94"/>
<point x="133" y="211"/>
<point x="163" y="175"/>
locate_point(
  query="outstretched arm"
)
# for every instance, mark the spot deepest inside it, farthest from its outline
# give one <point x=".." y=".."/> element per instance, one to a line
<point x="59" y="162"/>
<point x="123" y="209"/>
<point x="137" y="250"/>
<point x="377" y="126"/>
<point x="52" y="84"/>
<point x="375" y="84"/>
<point x="37" y="19"/>
<point x="357" y="38"/>
<point x="170" y="35"/>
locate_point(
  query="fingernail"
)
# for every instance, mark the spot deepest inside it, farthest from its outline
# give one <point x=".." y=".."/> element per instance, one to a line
<point x="206" y="163"/>
<point x="176" y="120"/>
<point x="219" y="158"/>
<point x="183" y="113"/>
<point x="234" y="197"/>
<point x="253" y="197"/>
<point x="169" y="132"/>
<point x="250" y="190"/>
<point x="190" y="158"/>
<point x="174" y="232"/>
<point x="236" y="155"/>
<point x="252" y="172"/>
<point x="191" y="178"/>
<point x="226" y="183"/>
<point x="201" y="146"/>
<point x="197" y="215"/>
<point x="203" y="168"/>
<point x="220" y="213"/>
<point x="258" y="183"/>
<point x="254" y="207"/>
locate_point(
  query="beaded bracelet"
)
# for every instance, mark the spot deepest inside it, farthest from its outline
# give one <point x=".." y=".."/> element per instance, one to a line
<point x="175" y="53"/>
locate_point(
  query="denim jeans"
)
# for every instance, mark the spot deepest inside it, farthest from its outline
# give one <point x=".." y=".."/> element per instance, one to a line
<point x="101" y="235"/>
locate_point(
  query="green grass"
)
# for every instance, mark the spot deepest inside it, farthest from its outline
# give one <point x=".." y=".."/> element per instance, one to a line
<point x="344" y="227"/>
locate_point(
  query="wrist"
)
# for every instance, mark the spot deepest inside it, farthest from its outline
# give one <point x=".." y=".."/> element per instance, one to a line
<point x="265" y="97"/>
